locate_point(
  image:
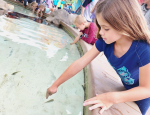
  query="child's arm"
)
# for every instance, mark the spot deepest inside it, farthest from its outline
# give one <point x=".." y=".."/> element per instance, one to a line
<point x="52" y="9"/>
<point x="76" y="39"/>
<point x="94" y="7"/>
<point x="33" y="10"/>
<point x="41" y="14"/>
<point x="85" y="3"/>
<point x="106" y="100"/>
<point x="37" y="13"/>
<point x="73" y="69"/>
<point x="82" y="10"/>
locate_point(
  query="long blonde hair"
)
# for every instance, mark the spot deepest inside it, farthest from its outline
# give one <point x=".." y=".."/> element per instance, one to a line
<point x="126" y="17"/>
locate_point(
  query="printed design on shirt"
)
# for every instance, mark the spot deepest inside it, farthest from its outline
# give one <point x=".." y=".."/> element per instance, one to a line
<point x="85" y="35"/>
<point x="125" y="75"/>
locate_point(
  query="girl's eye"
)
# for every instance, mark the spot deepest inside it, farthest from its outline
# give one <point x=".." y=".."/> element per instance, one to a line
<point x="106" y="29"/>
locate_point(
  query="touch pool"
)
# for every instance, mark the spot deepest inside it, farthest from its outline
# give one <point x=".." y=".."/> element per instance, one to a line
<point x="32" y="57"/>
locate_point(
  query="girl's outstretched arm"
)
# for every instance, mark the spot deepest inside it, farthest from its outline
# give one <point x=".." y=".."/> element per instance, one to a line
<point x="73" y="69"/>
<point x="106" y="100"/>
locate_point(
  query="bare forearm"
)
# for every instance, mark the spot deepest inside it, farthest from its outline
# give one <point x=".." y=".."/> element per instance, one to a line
<point x="93" y="9"/>
<point x="70" y="72"/>
<point x="77" y="66"/>
<point x="41" y="14"/>
<point x="134" y="94"/>
<point x="37" y="13"/>
<point x="82" y="10"/>
<point x="33" y="10"/>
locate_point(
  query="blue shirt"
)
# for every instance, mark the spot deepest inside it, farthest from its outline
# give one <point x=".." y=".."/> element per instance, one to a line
<point x="47" y="10"/>
<point x="127" y="66"/>
<point x="70" y="7"/>
<point x="55" y="2"/>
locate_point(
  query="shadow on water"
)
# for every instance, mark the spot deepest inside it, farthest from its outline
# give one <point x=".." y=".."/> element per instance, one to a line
<point x="17" y="15"/>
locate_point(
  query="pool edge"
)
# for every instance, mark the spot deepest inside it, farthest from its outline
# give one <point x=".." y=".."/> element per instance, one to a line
<point x="88" y="93"/>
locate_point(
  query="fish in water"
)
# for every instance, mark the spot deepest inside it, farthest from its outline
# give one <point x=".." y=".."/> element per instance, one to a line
<point x="51" y="100"/>
<point x="15" y="73"/>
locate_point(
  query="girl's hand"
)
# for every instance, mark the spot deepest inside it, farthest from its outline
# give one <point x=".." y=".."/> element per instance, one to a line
<point x="51" y="90"/>
<point x="103" y="101"/>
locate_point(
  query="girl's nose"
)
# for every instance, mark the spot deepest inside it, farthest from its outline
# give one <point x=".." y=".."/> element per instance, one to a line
<point x="101" y="32"/>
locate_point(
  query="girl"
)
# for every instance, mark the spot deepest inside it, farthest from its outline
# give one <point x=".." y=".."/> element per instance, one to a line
<point x="124" y="37"/>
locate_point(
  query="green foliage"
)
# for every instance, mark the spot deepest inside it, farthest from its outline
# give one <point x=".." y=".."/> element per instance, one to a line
<point x="69" y="1"/>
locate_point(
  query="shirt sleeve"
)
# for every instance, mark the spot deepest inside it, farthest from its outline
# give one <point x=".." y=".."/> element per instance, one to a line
<point x="144" y="55"/>
<point x="91" y="34"/>
<point x="86" y="2"/>
<point x="100" y="44"/>
<point x="82" y="31"/>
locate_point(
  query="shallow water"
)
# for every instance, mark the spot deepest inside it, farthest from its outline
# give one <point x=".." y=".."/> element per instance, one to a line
<point x="32" y="57"/>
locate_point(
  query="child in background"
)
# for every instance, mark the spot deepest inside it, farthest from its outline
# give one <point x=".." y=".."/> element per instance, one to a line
<point x="26" y="2"/>
<point x="87" y="30"/>
<point x="87" y="7"/>
<point x="93" y="12"/>
<point x="38" y="1"/>
<point x="42" y="9"/>
<point x="48" y="3"/>
<point x="62" y="4"/>
<point x="59" y="4"/>
<point x="55" y="3"/>
<point x="70" y="8"/>
<point x="34" y="6"/>
<point x="146" y="11"/>
<point x="125" y="39"/>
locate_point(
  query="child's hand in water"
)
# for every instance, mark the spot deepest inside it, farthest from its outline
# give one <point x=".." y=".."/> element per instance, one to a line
<point x="103" y="101"/>
<point x="51" y="90"/>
